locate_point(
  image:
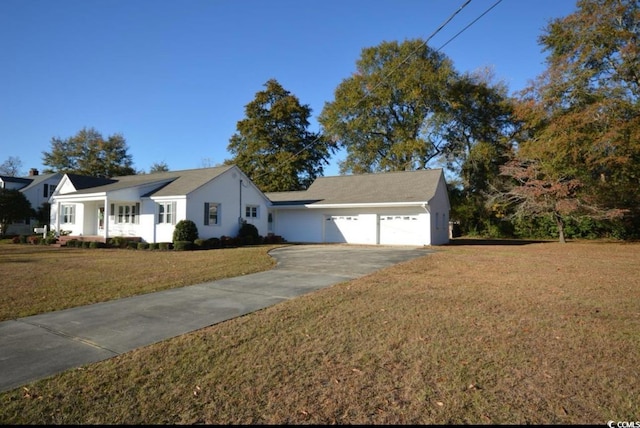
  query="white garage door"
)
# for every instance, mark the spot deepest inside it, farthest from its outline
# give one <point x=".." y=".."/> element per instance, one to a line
<point x="338" y="228"/>
<point x="400" y="230"/>
<point x="352" y="229"/>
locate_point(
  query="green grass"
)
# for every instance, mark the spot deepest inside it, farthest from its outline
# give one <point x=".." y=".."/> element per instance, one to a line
<point x="537" y="334"/>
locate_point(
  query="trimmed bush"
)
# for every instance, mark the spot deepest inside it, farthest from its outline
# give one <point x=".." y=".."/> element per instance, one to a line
<point x="153" y="246"/>
<point x="186" y="230"/>
<point x="248" y="234"/>
<point x="164" y="245"/>
<point x="183" y="245"/>
<point x="118" y="242"/>
<point x="142" y="245"/>
<point x="131" y="245"/>
<point x="200" y="244"/>
<point x="86" y="244"/>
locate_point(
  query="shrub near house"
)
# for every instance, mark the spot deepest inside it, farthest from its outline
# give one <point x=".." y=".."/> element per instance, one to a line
<point x="184" y="235"/>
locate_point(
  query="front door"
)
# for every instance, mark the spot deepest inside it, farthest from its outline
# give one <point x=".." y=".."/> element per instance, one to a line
<point x="100" y="220"/>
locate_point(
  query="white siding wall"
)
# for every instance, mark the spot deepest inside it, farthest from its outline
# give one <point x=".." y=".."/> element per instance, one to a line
<point x="150" y="229"/>
<point x="225" y="191"/>
<point x="75" y="228"/>
<point x="35" y="195"/>
<point x="440" y="207"/>
<point x="298" y="225"/>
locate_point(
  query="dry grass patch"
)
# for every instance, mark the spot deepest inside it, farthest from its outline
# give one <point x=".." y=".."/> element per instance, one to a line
<point x="539" y="334"/>
<point x="36" y="279"/>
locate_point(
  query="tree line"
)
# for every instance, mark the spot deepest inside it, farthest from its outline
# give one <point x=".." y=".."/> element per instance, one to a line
<point x="559" y="158"/>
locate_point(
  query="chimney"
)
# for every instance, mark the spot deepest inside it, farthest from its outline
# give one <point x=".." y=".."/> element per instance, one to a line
<point x="32" y="172"/>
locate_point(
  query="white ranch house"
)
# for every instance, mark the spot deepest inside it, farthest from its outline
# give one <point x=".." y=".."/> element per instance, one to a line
<point x="399" y="208"/>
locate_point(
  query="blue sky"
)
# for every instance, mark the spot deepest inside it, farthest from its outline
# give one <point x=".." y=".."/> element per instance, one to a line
<point x="173" y="77"/>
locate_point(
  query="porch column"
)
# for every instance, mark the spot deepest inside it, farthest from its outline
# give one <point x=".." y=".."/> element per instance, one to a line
<point x="58" y="217"/>
<point x="107" y="213"/>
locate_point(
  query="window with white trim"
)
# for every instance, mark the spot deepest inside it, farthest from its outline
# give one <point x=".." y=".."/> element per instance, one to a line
<point x="128" y="214"/>
<point x="211" y="214"/>
<point x="68" y="214"/>
<point x="252" y="211"/>
<point x="167" y="212"/>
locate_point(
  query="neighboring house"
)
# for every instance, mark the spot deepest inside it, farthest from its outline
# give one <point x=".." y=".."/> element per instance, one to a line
<point x="37" y="188"/>
<point x="148" y="206"/>
<point x="397" y="208"/>
<point x="394" y="208"/>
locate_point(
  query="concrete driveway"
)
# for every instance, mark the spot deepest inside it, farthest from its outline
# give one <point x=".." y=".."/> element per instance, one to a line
<point x="39" y="346"/>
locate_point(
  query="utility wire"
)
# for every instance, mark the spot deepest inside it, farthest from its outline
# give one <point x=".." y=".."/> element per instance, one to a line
<point x="294" y="155"/>
<point x="469" y="25"/>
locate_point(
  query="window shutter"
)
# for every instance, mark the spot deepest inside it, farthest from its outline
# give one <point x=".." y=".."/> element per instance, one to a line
<point x="137" y="213"/>
<point x="173" y="213"/>
<point x="45" y="189"/>
<point x="112" y="213"/>
<point x="206" y="213"/>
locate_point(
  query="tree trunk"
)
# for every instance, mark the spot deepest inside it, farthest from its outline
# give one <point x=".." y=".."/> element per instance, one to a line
<point x="560" y="225"/>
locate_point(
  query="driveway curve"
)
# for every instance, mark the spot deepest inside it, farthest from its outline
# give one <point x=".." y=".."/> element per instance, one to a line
<point x="39" y="346"/>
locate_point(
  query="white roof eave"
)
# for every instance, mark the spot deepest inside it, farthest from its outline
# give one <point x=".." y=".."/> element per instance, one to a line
<point x="361" y="205"/>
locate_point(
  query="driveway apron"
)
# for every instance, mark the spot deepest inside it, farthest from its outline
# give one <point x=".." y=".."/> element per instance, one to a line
<point x="39" y="346"/>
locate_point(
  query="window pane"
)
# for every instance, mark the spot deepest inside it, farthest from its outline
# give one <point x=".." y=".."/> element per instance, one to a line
<point x="213" y="214"/>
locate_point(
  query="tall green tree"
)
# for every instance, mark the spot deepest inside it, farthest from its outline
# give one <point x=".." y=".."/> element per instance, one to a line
<point x="272" y="144"/>
<point x="88" y="153"/>
<point x="477" y="127"/>
<point x="14" y="206"/>
<point x="406" y="107"/>
<point x="381" y="114"/>
<point x="582" y="116"/>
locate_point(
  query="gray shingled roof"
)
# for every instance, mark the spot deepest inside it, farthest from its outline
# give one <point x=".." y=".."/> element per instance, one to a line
<point x="171" y="183"/>
<point x="389" y="187"/>
<point x="37" y="179"/>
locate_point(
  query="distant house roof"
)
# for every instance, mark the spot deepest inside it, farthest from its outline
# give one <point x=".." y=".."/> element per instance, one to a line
<point x="10" y="179"/>
<point x="389" y="187"/>
<point x="34" y="180"/>
<point x="170" y="183"/>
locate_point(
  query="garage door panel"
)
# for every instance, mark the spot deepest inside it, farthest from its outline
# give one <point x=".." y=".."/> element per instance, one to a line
<point x="334" y="228"/>
<point x="401" y="230"/>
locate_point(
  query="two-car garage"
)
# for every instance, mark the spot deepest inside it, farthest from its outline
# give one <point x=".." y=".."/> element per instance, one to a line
<point x="394" y="208"/>
<point x="375" y="228"/>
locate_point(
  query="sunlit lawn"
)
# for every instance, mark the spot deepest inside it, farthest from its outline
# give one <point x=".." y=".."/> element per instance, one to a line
<point x="473" y="334"/>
